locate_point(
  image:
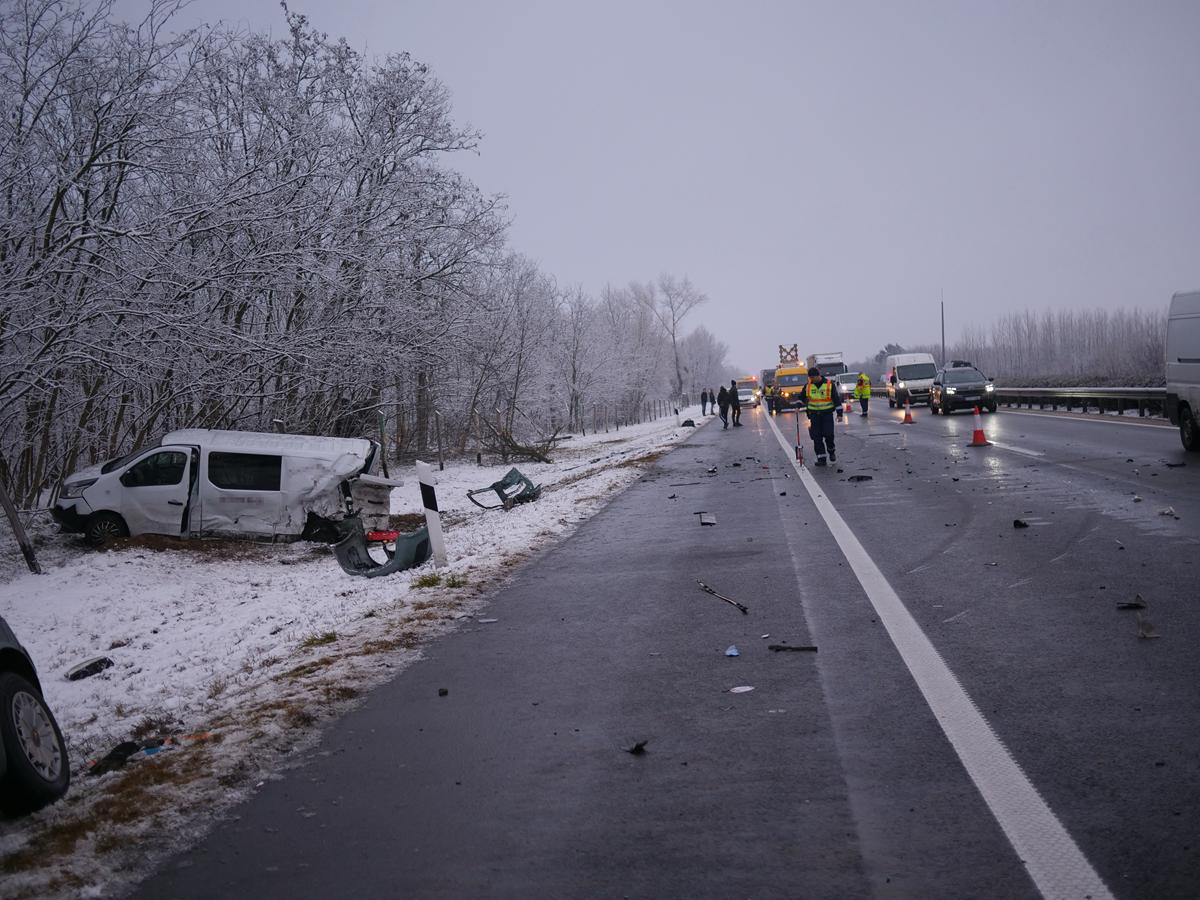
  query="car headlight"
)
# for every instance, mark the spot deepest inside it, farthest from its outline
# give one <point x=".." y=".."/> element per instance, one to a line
<point x="75" y="489"/>
<point x="989" y="387"/>
<point x="951" y="390"/>
<point x="900" y="385"/>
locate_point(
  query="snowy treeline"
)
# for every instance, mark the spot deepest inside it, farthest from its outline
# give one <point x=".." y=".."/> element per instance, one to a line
<point x="220" y="229"/>
<point x="1061" y="347"/>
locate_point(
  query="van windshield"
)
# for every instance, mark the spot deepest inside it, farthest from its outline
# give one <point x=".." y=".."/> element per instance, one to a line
<point x="919" y="370"/>
<point x="114" y="464"/>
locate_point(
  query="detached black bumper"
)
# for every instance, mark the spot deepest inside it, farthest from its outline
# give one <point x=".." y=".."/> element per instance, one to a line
<point x="69" y="518"/>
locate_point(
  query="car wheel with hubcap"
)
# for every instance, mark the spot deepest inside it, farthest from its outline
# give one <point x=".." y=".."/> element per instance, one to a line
<point x="39" y="770"/>
<point x="104" y="527"/>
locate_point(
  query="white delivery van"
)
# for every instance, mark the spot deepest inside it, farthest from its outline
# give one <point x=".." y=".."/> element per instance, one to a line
<point x="200" y="482"/>
<point x="909" y="376"/>
<point x="1183" y="367"/>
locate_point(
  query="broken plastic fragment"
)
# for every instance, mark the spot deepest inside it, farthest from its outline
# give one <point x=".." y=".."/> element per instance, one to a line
<point x="1167" y="511"/>
<point x="88" y="668"/>
<point x="637" y="749"/>
<point x="487" y="621"/>
<point x="732" y="650"/>
<point x="1020" y="523"/>
<point x="860" y="478"/>
<point x="741" y="689"/>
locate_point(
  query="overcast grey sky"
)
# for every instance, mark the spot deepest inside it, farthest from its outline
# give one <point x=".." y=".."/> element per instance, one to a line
<point x="823" y="171"/>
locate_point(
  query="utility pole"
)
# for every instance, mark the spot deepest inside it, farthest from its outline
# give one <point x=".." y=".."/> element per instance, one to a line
<point x="943" y="328"/>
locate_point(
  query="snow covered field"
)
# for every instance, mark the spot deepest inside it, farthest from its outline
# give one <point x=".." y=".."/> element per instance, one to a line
<point x="240" y="651"/>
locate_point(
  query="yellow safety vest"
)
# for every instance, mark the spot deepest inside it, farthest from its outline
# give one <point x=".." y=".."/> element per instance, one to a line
<point x="862" y="390"/>
<point x="818" y="397"/>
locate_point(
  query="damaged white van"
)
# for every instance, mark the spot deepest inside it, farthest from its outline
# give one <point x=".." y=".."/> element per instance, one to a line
<point x="201" y="483"/>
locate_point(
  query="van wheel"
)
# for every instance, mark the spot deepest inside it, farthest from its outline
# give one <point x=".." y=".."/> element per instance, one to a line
<point x="39" y="769"/>
<point x="1189" y="431"/>
<point x="104" y="527"/>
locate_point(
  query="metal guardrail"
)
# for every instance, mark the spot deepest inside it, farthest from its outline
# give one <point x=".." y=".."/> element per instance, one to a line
<point x="1147" y="401"/>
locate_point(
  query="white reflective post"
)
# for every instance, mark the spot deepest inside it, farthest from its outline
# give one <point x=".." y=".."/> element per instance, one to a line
<point x="433" y="519"/>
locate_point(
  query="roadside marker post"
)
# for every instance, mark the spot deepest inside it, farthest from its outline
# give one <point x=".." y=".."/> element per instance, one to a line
<point x="433" y="519"/>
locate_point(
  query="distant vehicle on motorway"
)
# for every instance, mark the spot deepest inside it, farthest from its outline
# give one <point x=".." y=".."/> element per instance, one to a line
<point x="909" y="376"/>
<point x="846" y="382"/>
<point x="34" y="767"/>
<point x="1183" y="368"/>
<point x="961" y="387"/>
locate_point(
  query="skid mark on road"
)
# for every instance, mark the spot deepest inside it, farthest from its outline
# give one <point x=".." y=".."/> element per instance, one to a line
<point x="1054" y="862"/>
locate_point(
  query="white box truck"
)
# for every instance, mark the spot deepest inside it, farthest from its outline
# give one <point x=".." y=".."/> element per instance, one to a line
<point x="1183" y="367"/>
<point x="201" y="482"/>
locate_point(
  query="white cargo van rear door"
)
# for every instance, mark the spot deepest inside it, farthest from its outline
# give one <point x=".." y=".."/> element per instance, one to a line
<point x="154" y="494"/>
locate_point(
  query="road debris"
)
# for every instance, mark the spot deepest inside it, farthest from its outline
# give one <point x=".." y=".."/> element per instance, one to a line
<point x="1020" y="523"/>
<point x="732" y="650"/>
<point x="707" y="518"/>
<point x="1168" y="511"/>
<point x="861" y="478"/>
<point x="510" y="490"/>
<point x="673" y="497"/>
<point x="799" y="648"/>
<point x="1175" y="465"/>
<point x="687" y="423"/>
<point x="88" y="668"/>
<point x="486" y="621"/>
<point x="704" y="587"/>
<point x="637" y="749"/>
<point x="1145" y="627"/>
<point x="741" y="689"/>
<point x="711" y="471"/>
<point x="1136" y="603"/>
<point x="442" y="692"/>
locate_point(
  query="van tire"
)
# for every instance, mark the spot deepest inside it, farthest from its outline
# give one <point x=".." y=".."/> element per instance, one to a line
<point x="103" y="527"/>
<point x="1189" y="431"/>
<point x="38" y="773"/>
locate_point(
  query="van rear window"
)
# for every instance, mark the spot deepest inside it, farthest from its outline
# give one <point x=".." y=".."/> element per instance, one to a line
<point x="244" y="471"/>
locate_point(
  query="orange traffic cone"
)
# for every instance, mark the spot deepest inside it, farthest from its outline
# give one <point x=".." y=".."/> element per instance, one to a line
<point x="978" y="439"/>
<point x="846" y="408"/>
<point x="908" y="419"/>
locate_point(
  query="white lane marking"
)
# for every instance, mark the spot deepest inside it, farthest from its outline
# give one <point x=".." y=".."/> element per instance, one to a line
<point x="1090" y="418"/>
<point x="1013" y="449"/>
<point x="1054" y="862"/>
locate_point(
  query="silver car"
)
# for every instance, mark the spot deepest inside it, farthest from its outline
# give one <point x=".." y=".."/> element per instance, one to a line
<point x="34" y="767"/>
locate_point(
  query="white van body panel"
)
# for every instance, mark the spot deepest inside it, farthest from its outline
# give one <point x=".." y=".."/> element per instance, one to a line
<point x="1183" y="357"/>
<point x="246" y="484"/>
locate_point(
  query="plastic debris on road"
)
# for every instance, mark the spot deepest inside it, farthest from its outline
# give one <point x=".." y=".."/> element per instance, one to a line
<point x="486" y="621"/>
<point x="741" y="689"/>
<point x="1020" y="523"/>
<point x="857" y="478"/>
<point x="732" y="650"/>
<point x="637" y="749"/>
<point x="800" y="648"/>
<point x="89" y="668"/>
<point x="1145" y="627"/>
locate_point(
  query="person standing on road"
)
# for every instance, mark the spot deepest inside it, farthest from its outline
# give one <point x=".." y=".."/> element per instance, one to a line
<point x="723" y="404"/>
<point x="862" y="391"/>
<point x="704" y="402"/>
<point x="735" y="405"/>
<point x="821" y="397"/>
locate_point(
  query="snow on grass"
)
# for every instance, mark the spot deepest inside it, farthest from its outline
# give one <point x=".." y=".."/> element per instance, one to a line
<point x="238" y="651"/>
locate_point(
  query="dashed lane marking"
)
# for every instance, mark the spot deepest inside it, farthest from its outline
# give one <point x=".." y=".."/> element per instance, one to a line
<point x="1021" y="450"/>
<point x="1054" y="862"/>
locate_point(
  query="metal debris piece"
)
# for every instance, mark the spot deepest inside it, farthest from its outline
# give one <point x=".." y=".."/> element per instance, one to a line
<point x="1020" y="523"/>
<point x="1136" y="603"/>
<point x="707" y="518"/>
<point x="704" y="587"/>
<point x="637" y="749"/>
<point x="860" y="478"/>
<point x="88" y="668"/>
<point x="1145" y="627"/>
<point x="797" y="647"/>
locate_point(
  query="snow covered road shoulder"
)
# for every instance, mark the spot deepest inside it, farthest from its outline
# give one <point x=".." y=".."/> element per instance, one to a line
<point x="248" y="648"/>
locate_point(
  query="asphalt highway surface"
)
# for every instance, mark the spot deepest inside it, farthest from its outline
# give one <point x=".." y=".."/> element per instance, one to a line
<point x="978" y="719"/>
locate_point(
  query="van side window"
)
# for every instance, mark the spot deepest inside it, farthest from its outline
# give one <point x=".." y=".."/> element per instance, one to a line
<point x="157" y="469"/>
<point x="245" y="471"/>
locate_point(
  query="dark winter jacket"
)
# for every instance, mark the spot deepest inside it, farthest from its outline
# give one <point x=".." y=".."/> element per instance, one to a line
<point x="722" y="398"/>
